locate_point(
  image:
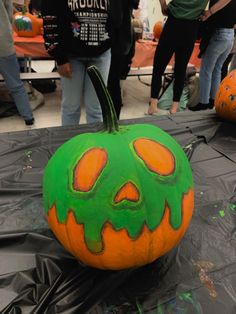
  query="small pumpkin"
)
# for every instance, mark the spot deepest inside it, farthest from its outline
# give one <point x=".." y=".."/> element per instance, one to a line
<point x="225" y="100"/>
<point x="26" y="24"/>
<point x="120" y="197"/>
<point x="157" y="29"/>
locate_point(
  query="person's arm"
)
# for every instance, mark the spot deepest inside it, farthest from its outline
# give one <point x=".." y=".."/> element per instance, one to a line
<point x="53" y="40"/>
<point x="135" y="4"/>
<point x="164" y="7"/>
<point x="213" y="9"/>
<point x="9" y="8"/>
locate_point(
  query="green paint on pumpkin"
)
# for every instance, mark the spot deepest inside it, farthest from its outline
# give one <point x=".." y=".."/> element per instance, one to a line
<point x="97" y="206"/>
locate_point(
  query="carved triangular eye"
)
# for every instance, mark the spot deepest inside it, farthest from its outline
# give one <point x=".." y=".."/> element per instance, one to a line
<point x="156" y="156"/>
<point x="127" y="192"/>
<point x="88" y="169"/>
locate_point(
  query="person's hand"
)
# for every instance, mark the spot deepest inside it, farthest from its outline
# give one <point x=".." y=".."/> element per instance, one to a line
<point x="205" y="15"/>
<point x="164" y="9"/>
<point x="65" y="70"/>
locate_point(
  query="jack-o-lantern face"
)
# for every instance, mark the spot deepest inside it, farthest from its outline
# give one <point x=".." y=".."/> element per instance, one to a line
<point x="126" y="182"/>
<point x="120" y="199"/>
<point x="225" y="100"/>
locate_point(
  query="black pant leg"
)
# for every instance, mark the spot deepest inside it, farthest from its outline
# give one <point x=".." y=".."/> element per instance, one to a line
<point x="182" y="56"/>
<point x="114" y="77"/>
<point x="162" y="57"/>
<point x="186" y="34"/>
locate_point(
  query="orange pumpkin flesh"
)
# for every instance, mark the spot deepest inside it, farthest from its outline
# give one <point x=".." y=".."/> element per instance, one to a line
<point x="156" y="157"/>
<point x="119" y="250"/>
<point x="88" y="169"/>
<point x="127" y="192"/>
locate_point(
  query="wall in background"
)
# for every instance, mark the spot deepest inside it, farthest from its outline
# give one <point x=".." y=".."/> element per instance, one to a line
<point x="149" y="12"/>
<point x="154" y="12"/>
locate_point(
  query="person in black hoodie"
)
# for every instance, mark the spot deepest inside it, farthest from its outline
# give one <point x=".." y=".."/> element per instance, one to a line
<point x="77" y="35"/>
<point x="122" y="41"/>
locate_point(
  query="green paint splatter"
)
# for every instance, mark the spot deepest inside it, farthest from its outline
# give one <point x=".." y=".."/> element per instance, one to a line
<point x="232" y="207"/>
<point x="139" y="307"/>
<point x="178" y="305"/>
<point x="222" y="213"/>
<point x="186" y="297"/>
<point x="160" y="309"/>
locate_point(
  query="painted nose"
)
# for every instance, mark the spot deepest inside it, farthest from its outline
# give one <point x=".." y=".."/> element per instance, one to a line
<point x="127" y="192"/>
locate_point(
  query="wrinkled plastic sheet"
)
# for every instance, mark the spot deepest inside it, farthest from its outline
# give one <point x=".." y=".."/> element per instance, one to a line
<point x="198" y="276"/>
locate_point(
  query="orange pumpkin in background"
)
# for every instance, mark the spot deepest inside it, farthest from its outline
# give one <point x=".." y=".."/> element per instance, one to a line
<point x="157" y="29"/>
<point x="26" y="24"/>
<point x="40" y="25"/>
<point x="225" y="100"/>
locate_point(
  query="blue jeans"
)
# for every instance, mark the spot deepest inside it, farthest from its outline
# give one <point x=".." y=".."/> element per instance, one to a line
<point x="216" y="53"/>
<point x="9" y="68"/>
<point x="233" y="63"/>
<point x="79" y="89"/>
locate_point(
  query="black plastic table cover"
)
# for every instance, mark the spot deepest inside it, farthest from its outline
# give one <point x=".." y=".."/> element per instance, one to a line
<point x="37" y="275"/>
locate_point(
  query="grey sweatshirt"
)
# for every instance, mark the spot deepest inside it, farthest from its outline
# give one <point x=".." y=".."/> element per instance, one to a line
<point x="6" y="41"/>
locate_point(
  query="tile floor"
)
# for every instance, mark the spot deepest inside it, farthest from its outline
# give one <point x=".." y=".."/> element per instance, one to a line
<point x="135" y="95"/>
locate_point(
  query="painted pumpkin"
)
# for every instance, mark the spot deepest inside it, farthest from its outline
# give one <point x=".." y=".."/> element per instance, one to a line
<point x="27" y="25"/>
<point x="121" y="197"/>
<point x="157" y="29"/>
<point x="225" y="100"/>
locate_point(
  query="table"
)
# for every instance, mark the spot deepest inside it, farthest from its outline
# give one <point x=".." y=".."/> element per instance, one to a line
<point x="30" y="46"/>
<point x="144" y="51"/>
<point x="38" y="276"/>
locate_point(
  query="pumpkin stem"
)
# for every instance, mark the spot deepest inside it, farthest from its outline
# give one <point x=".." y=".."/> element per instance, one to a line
<point x="108" y="112"/>
<point x="26" y="5"/>
<point x="24" y="10"/>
